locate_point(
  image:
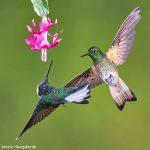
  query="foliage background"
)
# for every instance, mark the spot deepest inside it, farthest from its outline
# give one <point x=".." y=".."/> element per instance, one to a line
<point x="99" y="125"/>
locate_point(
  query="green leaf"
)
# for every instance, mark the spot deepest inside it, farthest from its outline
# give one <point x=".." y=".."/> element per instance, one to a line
<point x="40" y="7"/>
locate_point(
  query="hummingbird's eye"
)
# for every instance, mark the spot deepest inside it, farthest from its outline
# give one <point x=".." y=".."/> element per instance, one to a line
<point x="94" y="50"/>
<point x="44" y="87"/>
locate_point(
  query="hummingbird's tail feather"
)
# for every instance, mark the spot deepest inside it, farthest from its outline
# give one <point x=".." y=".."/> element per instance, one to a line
<point x="82" y="102"/>
<point x="79" y="95"/>
<point x="121" y="93"/>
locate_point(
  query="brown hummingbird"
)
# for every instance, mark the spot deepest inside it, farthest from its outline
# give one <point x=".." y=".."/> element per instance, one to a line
<point x="105" y="65"/>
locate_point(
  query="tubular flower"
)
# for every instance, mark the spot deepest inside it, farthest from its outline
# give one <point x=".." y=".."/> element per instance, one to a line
<point x="39" y="39"/>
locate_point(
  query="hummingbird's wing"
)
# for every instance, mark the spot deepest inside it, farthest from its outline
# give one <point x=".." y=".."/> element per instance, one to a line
<point x="89" y="77"/>
<point x="41" y="111"/>
<point x="123" y="41"/>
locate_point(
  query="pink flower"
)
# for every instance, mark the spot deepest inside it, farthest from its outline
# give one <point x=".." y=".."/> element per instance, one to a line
<point x="39" y="40"/>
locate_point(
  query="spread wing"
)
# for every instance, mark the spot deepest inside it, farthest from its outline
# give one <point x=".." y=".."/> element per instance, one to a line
<point x="123" y="41"/>
<point x="41" y="111"/>
<point x="89" y="77"/>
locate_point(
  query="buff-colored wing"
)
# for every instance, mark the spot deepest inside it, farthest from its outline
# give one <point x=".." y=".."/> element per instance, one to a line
<point x="89" y="77"/>
<point x="41" y="111"/>
<point x="123" y="41"/>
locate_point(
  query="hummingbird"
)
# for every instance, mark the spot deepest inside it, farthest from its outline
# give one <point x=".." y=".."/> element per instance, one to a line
<point x="105" y="68"/>
<point x="51" y="97"/>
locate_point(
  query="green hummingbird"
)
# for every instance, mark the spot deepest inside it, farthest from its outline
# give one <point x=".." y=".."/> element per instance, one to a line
<point x="51" y="97"/>
<point x="105" y="65"/>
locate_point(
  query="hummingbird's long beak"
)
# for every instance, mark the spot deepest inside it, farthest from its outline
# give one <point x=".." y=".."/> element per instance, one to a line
<point x="85" y="54"/>
<point x="49" y="70"/>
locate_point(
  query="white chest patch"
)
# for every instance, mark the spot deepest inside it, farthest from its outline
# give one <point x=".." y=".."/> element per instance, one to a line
<point x="111" y="78"/>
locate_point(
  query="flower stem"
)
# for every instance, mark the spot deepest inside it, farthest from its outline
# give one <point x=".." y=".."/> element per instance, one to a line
<point x="44" y="19"/>
<point x="44" y="55"/>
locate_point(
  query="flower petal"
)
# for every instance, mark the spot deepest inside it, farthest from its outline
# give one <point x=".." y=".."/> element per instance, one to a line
<point x="36" y="26"/>
<point x="31" y="30"/>
<point x="55" y="43"/>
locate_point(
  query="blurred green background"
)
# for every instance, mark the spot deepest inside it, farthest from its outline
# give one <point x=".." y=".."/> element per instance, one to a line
<point x="99" y="125"/>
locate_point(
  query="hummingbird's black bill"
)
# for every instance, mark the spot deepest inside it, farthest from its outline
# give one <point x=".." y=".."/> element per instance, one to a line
<point x="85" y="54"/>
<point x="49" y="69"/>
